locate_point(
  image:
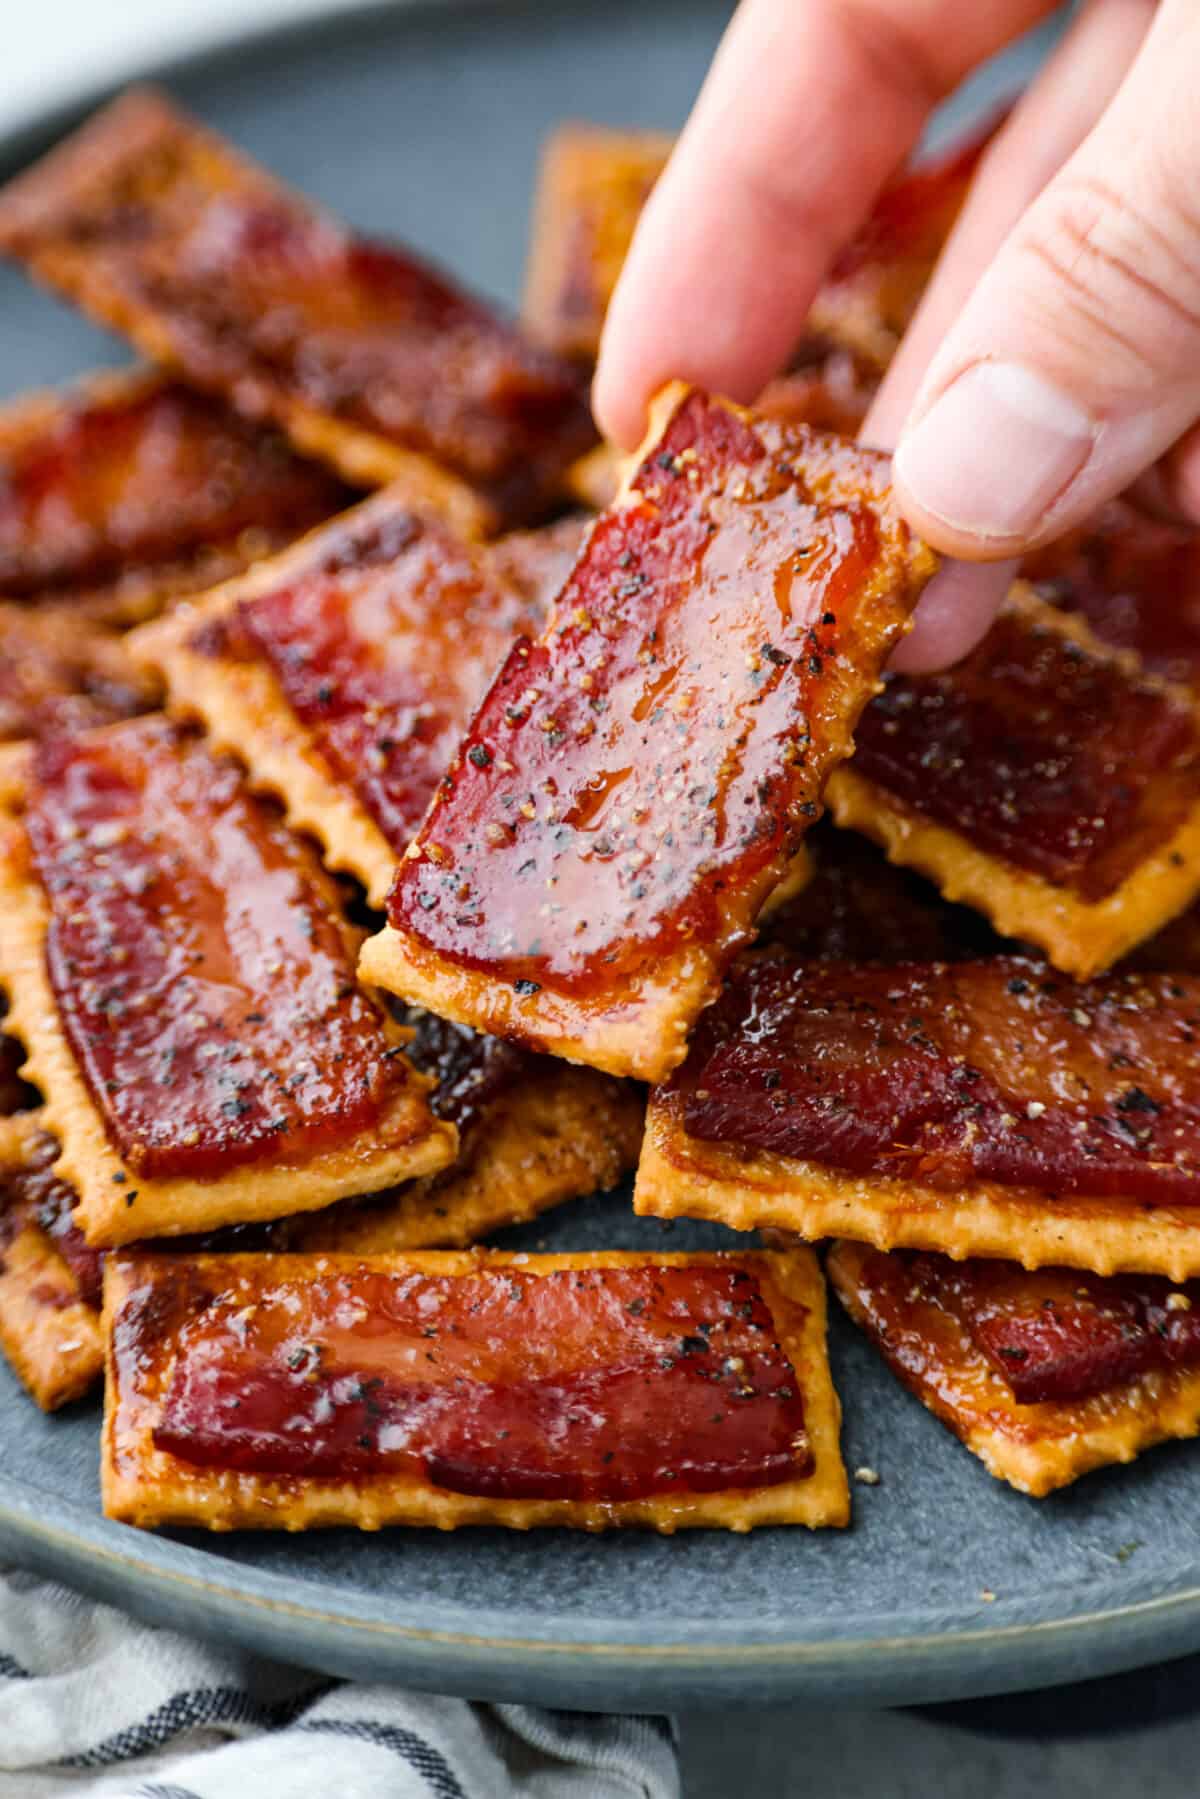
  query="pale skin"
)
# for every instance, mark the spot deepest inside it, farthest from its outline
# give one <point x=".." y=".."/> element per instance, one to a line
<point x="1055" y="359"/>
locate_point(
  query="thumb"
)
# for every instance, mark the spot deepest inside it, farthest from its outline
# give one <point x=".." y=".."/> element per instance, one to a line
<point x="1075" y="362"/>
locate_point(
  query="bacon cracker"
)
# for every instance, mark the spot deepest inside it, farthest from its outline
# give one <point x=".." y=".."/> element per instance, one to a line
<point x="532" y="1132"/>
<point x="981" y="1108"/>
<point x="64" y="674"/>
<point x="1047" y="781"/>
<point x="636" y="783"/>
<point x="183" y="983"/>
<point x="367" y="358"/>
<point x="127" y="490"/>
<point x="1043" y="1376"/>
<point x="344" y="672"/>
<point x="594" y="182"/>
<point x="1137" y="582"/>
<point x="49" y="1309"/>
<point x="449" y="1389"/>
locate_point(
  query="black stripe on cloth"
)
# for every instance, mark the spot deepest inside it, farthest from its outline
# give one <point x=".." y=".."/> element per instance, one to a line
<point x="11" y="1669"/>
<point x="157" y="1789"/>
<point x="194" y="1710"/>
<point x="420" y="1756"/>
<point x="659" y="1723"/>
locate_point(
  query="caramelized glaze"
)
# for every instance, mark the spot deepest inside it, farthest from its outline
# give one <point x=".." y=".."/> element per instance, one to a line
<point x="109" y="480"/>
<point x="610" y="1383"/>
<point x="203" y="980"/>
<point x="1038" y="752"/>
<point x="633" y="778"/>
<point x="946" y="1074"/>
<point x="382" y="647"/>
<point x="1057" y="1334"/>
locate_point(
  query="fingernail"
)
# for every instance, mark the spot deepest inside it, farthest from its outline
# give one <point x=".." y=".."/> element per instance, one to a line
<point x="995" y="451"/>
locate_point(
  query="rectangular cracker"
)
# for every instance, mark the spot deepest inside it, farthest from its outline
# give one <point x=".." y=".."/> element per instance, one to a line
<point x="49" y="1331"/>
<point x="127" y="490"/>
<point x="119" y="1205"/>
<point x="514" y="911"/>
<point x="368" y="359"/>
<point x="954" y="1097"/>
<point x="433" y="623"/>
<point x="557" y="1133"/>
<point x="1080" y="932"/>
<point x="148" y="1299"/>
<point x="1036" y="1448"/>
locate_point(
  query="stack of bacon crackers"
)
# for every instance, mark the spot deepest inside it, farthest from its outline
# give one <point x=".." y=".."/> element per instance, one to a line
<point x="375" y="824"/>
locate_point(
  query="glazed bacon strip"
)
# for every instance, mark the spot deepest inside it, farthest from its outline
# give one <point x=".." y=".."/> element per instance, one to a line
<point x="951" y="1074"/>
<point x="595" y="182"/>
<point x="50" y="1281"/>
<point x="980" y="1107"/>
<point x="366" y="356"/>
<point x="1137" y="582"/>
<point x="344" y="673"/>
<point x="1046" y="780"/>
<point x="130" y="489"/>
<point x="449" y="1389"/>
<point x="182" y="978"/>
<point x="637" y="780"/>
<point x="1043" y="1375"/>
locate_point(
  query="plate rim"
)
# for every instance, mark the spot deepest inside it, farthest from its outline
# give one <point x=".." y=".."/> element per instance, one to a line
<point x="555" y="1657"/>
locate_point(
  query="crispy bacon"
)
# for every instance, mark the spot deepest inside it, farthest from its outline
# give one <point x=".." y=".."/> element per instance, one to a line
<point x="116" y="490"/>
<point x="203" y="982"/>
<point x="64" y="674"/>
<point x="1054" y="759"/>
<point x="571" y="1385"/>
<point x="593" y="1382"/>
<point x="1058" y="1334"/>
<point x="158" y="227"/>
<point x="636" y="780"/>
<point x="996" y="1071"/>
<point x="382" y="644"/>
<point x="1137" y="582"/>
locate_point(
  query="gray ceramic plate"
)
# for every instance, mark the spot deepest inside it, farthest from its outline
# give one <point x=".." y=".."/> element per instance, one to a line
<point x="428" y="124"/>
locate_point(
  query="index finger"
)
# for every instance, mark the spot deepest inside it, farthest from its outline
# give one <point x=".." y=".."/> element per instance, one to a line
<point x="809" y="106"/>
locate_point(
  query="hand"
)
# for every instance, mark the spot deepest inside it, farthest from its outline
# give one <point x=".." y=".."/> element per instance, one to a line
<point x="1055" y="358"/>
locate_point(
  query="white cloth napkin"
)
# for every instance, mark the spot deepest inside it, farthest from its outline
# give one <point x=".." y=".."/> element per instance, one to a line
<point x="96" y="1706"/>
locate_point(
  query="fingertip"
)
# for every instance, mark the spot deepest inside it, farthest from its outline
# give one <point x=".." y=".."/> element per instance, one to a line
<point x="955" y="613"/>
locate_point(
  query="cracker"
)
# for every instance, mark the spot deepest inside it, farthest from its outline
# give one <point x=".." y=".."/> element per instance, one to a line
<point x="416" y="621"/>
<point x="149" y="1301"/>
<point x="514" y="910"/>
<point x="126" y="491"/>
<point x="49" y="1330"/>
<point x="1034" y="1447"/>
<point x="366" y="357"/>
<point x="118" y="1203"/>
<point x="1145" y="866"/>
